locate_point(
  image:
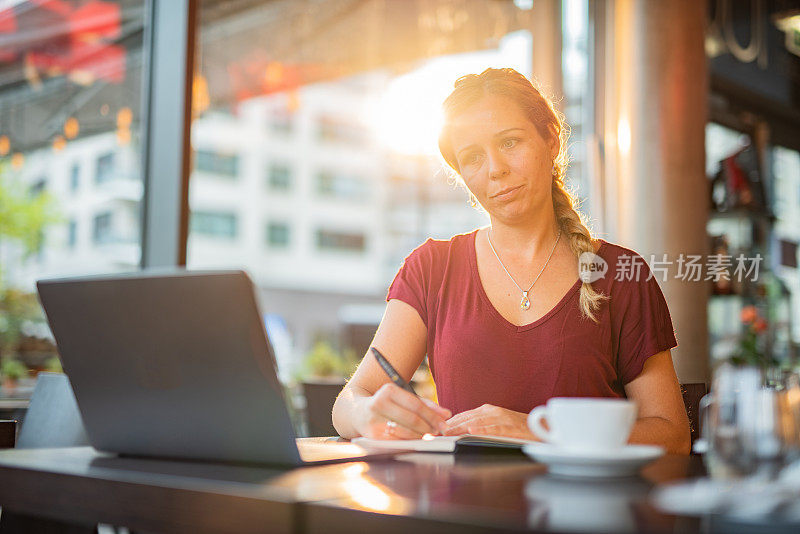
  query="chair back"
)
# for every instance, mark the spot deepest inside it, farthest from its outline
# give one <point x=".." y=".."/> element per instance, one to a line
<point x="692" y="393"/>
<point x="52" y="419"/>
<point x="320" y="397"/>
<point x="8" y="434"/>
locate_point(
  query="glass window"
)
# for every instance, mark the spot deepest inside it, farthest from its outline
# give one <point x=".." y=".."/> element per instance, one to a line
<point x="334" y="129"/>
<point x="347" y="96"/>
<point x="328" y="240"/>
<point x="578" y="88"/>
<point x="102" y="231"/>
<point x="105" y="168"/>
<point x="278" y="234"/>
<point x="214" y="224"/>
<point x="281" y="121"/>
<point x="70" y="94"/>
<point x="220" y="164"/>
<point x="74" y="177"/>
<point x="341" y="186"/>
<point x="279" y="177"/>
<point x="72" y="233"/>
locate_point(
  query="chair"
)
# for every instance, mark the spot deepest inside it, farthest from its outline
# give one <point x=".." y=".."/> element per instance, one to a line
<point x="8" y="434"/>
<point x="692" y="393"/>
<point x="320" y="397"/>
<point x="52" y="420"/>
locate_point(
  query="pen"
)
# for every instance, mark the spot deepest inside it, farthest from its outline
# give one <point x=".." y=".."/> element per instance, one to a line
<point x="393" y="375"/>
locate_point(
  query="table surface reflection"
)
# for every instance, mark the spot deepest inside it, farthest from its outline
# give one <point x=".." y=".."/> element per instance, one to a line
<point x="506" y="492"/>
<point x="413" y="492"/>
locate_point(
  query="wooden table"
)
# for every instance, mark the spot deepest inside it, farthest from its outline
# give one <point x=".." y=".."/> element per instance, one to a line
<point x="413" y="493"/>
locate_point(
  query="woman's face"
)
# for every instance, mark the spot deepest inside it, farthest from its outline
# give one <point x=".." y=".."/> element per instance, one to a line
<point x="503" y="160"/>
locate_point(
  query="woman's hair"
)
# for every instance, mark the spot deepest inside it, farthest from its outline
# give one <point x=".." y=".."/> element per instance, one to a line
<point x="549" y="123"/>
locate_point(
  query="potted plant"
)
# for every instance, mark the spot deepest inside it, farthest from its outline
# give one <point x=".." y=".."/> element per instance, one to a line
<point x="324" y="374"/>
<point x="16" y="309"/>
<point x="749" y="423"/>
<point x="24" y="217"/>
<point x="752" y="349"/>
<point x="12" y="370"/>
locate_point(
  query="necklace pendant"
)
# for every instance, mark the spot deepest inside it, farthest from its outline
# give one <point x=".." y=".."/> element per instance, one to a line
<point x="525" y="303"/>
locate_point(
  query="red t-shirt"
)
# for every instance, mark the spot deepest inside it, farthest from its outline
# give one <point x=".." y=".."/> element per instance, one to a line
<point x="478" y="357"/>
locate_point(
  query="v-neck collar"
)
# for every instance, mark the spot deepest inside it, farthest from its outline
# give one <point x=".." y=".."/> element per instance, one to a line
<point x="473" y="258"/>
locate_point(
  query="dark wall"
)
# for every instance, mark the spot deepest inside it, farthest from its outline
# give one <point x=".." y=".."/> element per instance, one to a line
<point x="769" y="85"/>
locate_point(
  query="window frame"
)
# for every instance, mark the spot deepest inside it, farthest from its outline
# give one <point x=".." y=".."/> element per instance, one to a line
<point x="170" y="29"/>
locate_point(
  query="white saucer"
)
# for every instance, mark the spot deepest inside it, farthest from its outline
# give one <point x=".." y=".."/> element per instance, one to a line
<point x="622" y="462"/>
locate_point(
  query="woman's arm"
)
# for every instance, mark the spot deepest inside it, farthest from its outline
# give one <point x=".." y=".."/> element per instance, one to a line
<point x="662" y="414"/>
<point x="370" y="400"/>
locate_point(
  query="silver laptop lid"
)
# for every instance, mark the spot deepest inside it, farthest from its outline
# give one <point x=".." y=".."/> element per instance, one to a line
<point x="172" y="365"/>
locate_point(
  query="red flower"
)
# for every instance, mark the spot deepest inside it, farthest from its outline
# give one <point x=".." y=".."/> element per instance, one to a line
<point x="760" y="325"/>
<point x="749" y="314"/>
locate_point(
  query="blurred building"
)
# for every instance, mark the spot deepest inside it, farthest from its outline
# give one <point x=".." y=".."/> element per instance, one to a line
<point x="97" y="188"/>
<point x="290" y="187"/>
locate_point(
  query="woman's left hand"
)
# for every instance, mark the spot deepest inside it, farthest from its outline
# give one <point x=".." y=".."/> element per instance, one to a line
<point x="490" y="420"/>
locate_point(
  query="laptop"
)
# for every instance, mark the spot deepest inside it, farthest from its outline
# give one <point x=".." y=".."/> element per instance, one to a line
<point x="177" y="365"/>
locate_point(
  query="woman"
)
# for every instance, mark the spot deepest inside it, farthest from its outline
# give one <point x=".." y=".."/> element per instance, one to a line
<point x="501" y="312"/>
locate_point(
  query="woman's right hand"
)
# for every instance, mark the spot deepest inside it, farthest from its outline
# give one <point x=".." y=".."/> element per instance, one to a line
<point x="413" y="416"/>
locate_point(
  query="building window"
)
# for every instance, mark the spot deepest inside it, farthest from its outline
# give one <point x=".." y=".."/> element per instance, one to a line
<point x="226" y="165"/>
<point x="342" y="186"/>
<point x="337" y="130"/>
<point x="281" y="122"/>
<point x="74" y="177"/>
<point x="328" y="240"/>
<point x="280" y="177"/>
<point x="214" y="224"/>
<point x="105" y="168"/>
<point x="72" y="233"/>
<point x="278" y="235"/>
<point x="102" y="231"/>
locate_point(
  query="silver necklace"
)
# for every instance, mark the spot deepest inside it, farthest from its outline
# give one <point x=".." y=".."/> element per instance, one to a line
<point x="525" y="303"/>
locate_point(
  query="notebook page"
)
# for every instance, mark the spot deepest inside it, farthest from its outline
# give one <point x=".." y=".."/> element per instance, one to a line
<point x="429" y="444"/>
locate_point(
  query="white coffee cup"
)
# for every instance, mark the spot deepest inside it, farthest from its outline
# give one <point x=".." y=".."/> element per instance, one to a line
<point x="584" y="424"/>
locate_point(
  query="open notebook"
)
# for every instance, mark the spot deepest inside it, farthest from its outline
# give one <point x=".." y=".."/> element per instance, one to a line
<point x="441" y="443"/>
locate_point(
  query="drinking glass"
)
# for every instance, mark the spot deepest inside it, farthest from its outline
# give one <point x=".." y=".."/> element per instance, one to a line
<point x="751" y="429"/>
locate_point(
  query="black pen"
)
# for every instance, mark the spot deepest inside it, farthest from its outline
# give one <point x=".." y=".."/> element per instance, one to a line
<point x="393" y="375"/>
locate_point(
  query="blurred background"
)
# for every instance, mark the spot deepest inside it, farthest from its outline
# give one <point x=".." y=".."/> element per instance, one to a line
<point x="303" y="148"/>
